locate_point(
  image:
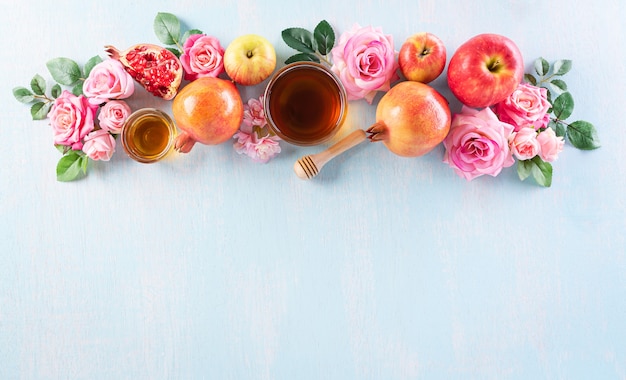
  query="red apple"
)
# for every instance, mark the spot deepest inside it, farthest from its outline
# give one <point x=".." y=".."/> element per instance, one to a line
<point x="485" y="70"/>
<point x="422" y="57"/>
<point x="249" y="59"/>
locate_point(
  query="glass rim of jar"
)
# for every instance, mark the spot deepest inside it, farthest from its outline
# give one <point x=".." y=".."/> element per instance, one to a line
<point x="298" y="66"/>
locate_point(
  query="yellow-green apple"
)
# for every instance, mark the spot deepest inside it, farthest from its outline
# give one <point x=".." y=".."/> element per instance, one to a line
<point x="485" y="70"/>
<point x="422" y="57"/>
<point x="249" y="59"/>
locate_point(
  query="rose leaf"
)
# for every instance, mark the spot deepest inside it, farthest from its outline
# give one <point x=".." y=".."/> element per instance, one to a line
<point x="64" y="70"/>
<point x="300" y="39"/>
<point x="167" y="28"/>
<point x="583" y="135"/>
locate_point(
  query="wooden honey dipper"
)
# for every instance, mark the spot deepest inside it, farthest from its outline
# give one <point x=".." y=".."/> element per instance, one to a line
<point x="309" y="166"/>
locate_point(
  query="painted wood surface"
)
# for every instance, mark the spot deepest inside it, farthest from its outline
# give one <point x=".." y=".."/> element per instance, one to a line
<point x="210" y="266"/>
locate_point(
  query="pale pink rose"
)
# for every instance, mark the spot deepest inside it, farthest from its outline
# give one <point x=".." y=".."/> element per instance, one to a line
<point x="71" y="118"/>
<point x="365" y="61"/>
<point x="254" y="113"/>
<point x="202" y="57"/>
<point x="527" y="106"/>
<point x="108" y="80"/>
<point x="260" y="149"/>
<point x="99" y="145"/>
<point x="551" y="145"/>
<point x="524" y="144"/>
<point x="477" y="144"/>
<point x="113" y="115"/>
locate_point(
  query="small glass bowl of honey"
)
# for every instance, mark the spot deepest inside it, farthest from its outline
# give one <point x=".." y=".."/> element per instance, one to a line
<point x="305" y="103"/>
<point x="148" y="135"/>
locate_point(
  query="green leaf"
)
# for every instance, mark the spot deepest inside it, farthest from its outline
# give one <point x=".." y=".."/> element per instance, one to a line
<point x="562" y="66"/>
<point x="541" y="171"/>
<point x="559" y="128"/>
<point x="302" y="57"/>
<point x="23" y="95"/>
<point x="71" y="166"/>
<point x="56" y="91"/>
<point x="189" y="33"/>
<point x="583" y="135"/>
<point x="91" y="63"/>
<point x="62" y="148"/>
<point x="39" y="110"/>
<point x="64" y="70"/>
<point x="174" y="51"/>
<point x="549" y="98"/>
<point x="524" y="168"/>
<point x="563" y="106"/>
<point x="561" y="85"/>
<point x="38" y="85"/>
<point x="324" y="37"/>
<point x="541" y="66"/>
<point x="78" y="89"/>
<point x="300" y="39"/>
<point x="167" y="28"/>
<point x="530" y="79"/>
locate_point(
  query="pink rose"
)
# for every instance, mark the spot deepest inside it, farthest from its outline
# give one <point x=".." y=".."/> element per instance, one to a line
<point x="71" y="118"/>
<point x="524" y="144"/>
<point x="527" y="106"/>
<point x="202" y="57"/>
<point x="99" y="145"/>
<point x="365" y="61"/>
<point x="113" y="115"/>
<point x="253" y="113"/>
<point x="478" y="144"/>
<point x="551" y="145"/>
<point x="108" y="80"/>
<point x="260" y="149"/>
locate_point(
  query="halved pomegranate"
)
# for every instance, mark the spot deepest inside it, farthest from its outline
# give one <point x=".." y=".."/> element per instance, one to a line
<point x="157" y="69"/>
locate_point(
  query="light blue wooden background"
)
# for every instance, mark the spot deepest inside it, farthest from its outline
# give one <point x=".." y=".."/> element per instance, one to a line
<point x="209" y="266"/>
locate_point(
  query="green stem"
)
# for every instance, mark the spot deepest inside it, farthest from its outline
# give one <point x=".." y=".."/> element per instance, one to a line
<point x="44" y="98"/>
<point x="324" y="59"/>
<point x="546" y="79"/>
<point x="179" y="46"/>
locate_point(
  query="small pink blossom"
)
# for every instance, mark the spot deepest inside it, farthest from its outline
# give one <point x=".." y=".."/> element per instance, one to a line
<point x="527" y="106"/>
<point x="108" y="80"/>
<point x="202" y="57"/>
<point x="254" y="114"/>
<point x="71" y="118"/>
<point x="113" y="115"/>
<point x="260" y="149"/>
<point x="365" y="61"/>
<point x="524" y="144"/>
<point x="477" y="144"/>
<point x="551" y="145"/>
<point x="99" y="145"/>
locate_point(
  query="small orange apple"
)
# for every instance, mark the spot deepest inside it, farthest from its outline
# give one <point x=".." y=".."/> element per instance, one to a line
<point x="422" y="57"/>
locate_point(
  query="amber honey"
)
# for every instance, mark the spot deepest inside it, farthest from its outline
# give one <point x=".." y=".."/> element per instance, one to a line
<point x="305" y="103"/>
<point x="148" y="135"/>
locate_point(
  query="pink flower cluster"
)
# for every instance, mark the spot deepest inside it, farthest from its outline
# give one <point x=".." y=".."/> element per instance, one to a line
<point x="73" y="118"/>
<point x="486" y="141"/>
<point x="365" y="61"/>
<point x="254" y="138"/>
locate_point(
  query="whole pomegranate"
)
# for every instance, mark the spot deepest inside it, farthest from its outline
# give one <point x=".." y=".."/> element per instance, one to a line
<point x="208" y="110"/>
<point x="157" y="69"/>
<point x="411" y="119"/>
